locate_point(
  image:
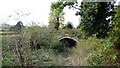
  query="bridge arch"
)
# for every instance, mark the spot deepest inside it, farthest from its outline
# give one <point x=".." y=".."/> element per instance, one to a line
<point x="68" y="42"/>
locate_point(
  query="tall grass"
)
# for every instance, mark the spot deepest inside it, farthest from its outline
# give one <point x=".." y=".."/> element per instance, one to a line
<point x="40" y="46"/>
<point x="34" y="46"/>
<point x="100" y="51"/>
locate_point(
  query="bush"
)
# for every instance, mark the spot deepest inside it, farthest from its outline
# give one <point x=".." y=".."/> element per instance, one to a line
<point x="68" y="26"/>
<point x="34" y="46"/>
<point x="38" y="37"/>
<point x="59" y="47"/>
<point x="104" y="55"/>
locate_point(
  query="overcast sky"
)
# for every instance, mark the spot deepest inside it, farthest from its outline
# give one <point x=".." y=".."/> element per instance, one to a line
<point x="11" y="11"/>
<point x="31" y="10"/>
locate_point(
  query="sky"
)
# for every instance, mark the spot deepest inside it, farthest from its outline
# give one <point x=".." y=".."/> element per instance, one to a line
<point x="11" y="11"/>
<point x="27" y="11"/>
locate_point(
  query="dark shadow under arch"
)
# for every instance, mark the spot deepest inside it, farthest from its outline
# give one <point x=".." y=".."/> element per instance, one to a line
<point x="68" y="42"/>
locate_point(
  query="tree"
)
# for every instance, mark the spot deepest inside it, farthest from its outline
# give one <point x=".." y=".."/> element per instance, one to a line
<point x="18" y="26"/>
<point x="95" y="18"/>
<point x="56" y="15"/>
<point x="87" y="13"/>
<point x="115" y="32"/>
<point x="68" y="26"/>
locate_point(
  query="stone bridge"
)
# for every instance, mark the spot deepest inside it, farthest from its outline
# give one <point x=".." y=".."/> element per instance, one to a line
<point x="68" y="41"/>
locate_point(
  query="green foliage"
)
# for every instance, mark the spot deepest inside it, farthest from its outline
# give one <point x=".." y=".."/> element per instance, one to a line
<point x="56" y="14"/>
<point x="101" y="51"/>
<point x="43" y="38"/>
<point x="103" y="54"/>
<point x="115" y="31"/>
<point x="19" y="26"/>
<point x="47" y="50"/>
<point x="68" y="26"/>
<point x="93" y="18"/>
<point x="40" y="46"/>
<point x="39" y="37"/>
<point x="58" y="46"/>
<point x="68" y="32"/>
<point x="34" y="46"/>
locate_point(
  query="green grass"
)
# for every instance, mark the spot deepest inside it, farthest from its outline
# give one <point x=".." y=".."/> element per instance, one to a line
<point x="8" y="33"/>
<point x="91" y="51"/>
<point x="35" y="56"/>
<point x="0" y="51"/>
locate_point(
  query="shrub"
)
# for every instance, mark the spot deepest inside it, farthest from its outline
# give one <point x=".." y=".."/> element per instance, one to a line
<point x="68" y="26"/>
<point x="38" y="37"/>
<point x="104" y="55"/>
<point x="30" y="48"/>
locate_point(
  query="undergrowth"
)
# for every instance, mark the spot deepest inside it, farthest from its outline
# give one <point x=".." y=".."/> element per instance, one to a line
<point x="103" y="54"/>
<point x="40" y="46"/>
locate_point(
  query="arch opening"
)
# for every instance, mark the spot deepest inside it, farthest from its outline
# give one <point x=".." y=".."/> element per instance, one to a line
<point x="68" y="42"/>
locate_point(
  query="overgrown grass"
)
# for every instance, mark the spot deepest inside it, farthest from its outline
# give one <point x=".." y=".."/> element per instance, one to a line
<point x="0" y="51"/>
<point x="27" y="48"/>
<point x="40" y="46"/>
<point x="104" y="54"/>
<point x="100" y="51"/>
